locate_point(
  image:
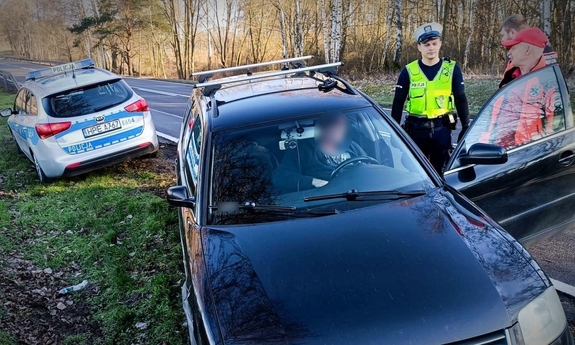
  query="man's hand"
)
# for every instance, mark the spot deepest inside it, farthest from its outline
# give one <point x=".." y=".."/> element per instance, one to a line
<point x="318" y="183"/>
<point x="462" y="133"/>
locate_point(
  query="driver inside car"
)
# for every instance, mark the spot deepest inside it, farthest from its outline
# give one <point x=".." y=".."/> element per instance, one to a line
<point x="311" y="163"/>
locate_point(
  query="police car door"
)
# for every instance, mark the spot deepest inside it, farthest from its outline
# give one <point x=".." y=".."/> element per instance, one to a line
<point x="23" y="122"/>
<point x="532" y="195"/>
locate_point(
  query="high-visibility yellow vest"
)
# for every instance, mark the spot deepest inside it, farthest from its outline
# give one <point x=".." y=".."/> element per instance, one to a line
<point x="434" y="98"/>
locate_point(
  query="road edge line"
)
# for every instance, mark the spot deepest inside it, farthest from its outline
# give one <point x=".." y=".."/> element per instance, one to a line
<point x="167" y="136"/>
<point x="164" y="93"/>
<point x="563" y="287"/>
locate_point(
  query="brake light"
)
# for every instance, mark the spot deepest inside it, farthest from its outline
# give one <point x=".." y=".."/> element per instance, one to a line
<point x="47" y="130"/>
<point x="138" y="106"/>
<point x="73" y="165"/>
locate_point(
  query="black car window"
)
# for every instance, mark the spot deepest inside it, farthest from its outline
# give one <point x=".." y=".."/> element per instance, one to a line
<point x="87" y="99"/>
<point x="274" y="164"/>
<point x="528" y="109"/>
<point x="192" y="164"/>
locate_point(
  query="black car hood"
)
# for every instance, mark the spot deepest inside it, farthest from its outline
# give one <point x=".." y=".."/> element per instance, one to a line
<point x="428" y="270"/>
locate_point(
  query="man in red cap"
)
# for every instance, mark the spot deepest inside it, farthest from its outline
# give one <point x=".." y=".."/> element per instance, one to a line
<point x="527" y="46"/>
<point x="524" y="113"/>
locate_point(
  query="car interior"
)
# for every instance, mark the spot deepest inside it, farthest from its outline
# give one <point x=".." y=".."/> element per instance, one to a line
<point x="250" y="157"/>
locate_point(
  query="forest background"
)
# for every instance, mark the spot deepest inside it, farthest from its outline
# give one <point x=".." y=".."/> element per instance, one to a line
<point x="173" y="38"/>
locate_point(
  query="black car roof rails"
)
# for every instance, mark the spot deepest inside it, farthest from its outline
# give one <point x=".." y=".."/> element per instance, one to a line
<point x="297" y="62"/>
<point x="328" y="70"/>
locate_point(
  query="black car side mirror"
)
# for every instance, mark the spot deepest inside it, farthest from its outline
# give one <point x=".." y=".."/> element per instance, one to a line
<point x="484" y="154"/>
<point x="178" y="196"/>
<point x="6" y="112"/>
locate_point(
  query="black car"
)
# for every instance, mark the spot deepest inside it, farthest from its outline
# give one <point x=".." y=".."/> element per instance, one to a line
<point x="309" y="217"/>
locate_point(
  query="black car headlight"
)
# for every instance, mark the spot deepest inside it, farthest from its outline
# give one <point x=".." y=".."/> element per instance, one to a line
<point x="542" y="321"/>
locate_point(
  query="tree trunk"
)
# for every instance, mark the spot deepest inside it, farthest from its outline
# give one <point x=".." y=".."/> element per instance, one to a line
<point x="386" y="44"/>
<point x="446" y="10"/>
<point x="472" y="15"/>
<point x="336" y="17"/>
<point x="283" y="33"/>
<point x="546" y="17"/>
<point x="299" y="36"/>
<point x="398" y="34"/>
<point x="326" y="42"/>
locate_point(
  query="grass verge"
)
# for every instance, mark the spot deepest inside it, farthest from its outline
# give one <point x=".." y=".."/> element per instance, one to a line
<point x="110" y="227"/>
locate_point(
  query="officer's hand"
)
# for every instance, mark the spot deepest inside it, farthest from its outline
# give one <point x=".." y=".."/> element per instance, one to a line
<point x="318" y="182"/>
<point x="462" y="133"/>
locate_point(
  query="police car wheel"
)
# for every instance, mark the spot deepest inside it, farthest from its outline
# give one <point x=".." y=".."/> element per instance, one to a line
<point x="41" y="176"/>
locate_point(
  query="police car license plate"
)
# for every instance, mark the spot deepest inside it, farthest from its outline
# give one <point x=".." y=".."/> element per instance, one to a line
<point x="101" y="128"/>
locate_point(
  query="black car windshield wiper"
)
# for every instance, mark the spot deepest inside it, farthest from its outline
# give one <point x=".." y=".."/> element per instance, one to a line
<point x="279" y="209"/>
<point x="234" y="206"/>
<point x="353" y="195"/>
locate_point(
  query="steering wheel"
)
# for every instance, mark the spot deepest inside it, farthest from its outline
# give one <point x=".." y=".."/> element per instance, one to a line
<point x="351" y="161"/>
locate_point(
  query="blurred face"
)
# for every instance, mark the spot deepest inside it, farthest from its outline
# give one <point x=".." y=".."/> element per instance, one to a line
<point x="430" y="49"/>
<point x="507" y="35"/>
<point x="333" y="135"/>
<point x="518" y="54"/>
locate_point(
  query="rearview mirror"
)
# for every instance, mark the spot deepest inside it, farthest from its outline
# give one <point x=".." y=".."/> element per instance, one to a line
<point x="178" y="196"/>
<point x="484" y="154"/>
<point x="6" y="112"/>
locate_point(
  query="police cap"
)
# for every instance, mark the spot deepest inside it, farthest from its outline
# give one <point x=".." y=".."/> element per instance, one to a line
<point x="427" y="32"/>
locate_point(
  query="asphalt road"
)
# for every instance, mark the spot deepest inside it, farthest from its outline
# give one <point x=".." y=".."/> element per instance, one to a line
<point x="167" y="101"/>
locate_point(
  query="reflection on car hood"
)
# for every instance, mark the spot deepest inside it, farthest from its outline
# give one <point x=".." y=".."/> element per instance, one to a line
<point x="415" y="271"/>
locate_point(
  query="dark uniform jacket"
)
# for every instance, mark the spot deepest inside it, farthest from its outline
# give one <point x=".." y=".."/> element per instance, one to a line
<point x="306" y="162"/>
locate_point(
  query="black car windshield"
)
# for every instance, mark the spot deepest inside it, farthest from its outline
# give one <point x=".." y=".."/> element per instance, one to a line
<point x="300" y="164"/>
<point x="87" y="99"/>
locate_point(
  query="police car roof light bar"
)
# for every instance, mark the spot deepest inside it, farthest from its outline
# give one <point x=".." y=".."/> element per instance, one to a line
<point x="68" y="67"/>
<point x="205" y="75"/>
<point x="327" y="69"/>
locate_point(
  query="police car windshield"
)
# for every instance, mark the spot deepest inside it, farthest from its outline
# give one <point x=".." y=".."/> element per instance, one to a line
<point x="87" y="99"/>
<point x="285" y="163"/>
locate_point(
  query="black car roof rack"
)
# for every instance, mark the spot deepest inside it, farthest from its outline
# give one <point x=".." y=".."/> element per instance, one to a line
<point x="297" y="62"/>
<point x="209" y="87"/>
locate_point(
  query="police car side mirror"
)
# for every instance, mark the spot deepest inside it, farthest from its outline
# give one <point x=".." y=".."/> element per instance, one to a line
<point x="178" y="196"/>
<point x="484" y="154"/>
<point x="6" y="112"/>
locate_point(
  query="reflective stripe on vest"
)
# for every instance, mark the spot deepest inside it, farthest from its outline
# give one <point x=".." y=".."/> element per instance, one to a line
<point x="430" y="98"/>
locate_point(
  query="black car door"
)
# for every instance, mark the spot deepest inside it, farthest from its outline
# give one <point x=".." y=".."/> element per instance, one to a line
<point x="190" y="159"/>
<point x="532" y="195"/>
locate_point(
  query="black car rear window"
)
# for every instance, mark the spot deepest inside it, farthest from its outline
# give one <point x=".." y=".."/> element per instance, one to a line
<point x="87" y="99"/>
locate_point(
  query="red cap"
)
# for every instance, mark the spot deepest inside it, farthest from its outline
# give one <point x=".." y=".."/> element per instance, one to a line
<point x="533" y="36"/>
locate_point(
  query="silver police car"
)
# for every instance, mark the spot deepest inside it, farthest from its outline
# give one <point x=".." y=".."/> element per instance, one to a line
<point x="74" y="118"/>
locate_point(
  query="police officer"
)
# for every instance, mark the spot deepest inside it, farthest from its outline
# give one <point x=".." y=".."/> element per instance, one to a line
<point x="433" y="88"/>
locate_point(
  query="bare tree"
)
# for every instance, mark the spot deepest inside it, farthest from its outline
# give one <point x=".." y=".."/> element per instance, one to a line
<point x="398" y="33"/>
<point x="472" y="15"/>
<point x="299" y="32"/>
<point x="546" y="16"/>
<point x="388" y="19"/>
<point x="326" y="44"/>
<point x="283" y="29"/>
<point x="335" y="37"/>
